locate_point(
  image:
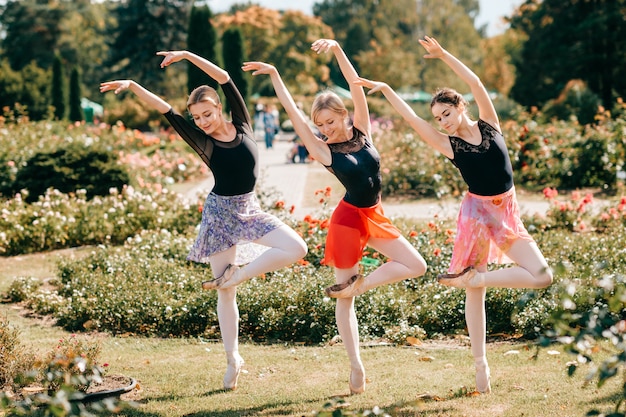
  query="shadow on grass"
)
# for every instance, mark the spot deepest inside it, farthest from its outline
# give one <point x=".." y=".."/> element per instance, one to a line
<point x="608" y="401"/>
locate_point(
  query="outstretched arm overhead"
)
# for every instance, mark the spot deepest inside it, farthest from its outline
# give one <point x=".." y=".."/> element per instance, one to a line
<point x="318" y="149"/>
<point x="486" y="110"/>
<point x="149" y="98"/>
<point x="212" y="70"/>
<point x="428" y="133"/>
<point x="361" y="111"/>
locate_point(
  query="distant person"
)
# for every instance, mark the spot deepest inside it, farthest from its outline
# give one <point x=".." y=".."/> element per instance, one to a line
<point x="231" y="214"/>
<point x="347" y="151"/>
<point x="489" y="228"/>
<point x="270" y="124"/>
<point x="259" y="125"/>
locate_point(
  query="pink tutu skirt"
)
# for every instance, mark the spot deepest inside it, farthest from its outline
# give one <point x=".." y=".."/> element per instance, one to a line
<point x="487" y="226"/>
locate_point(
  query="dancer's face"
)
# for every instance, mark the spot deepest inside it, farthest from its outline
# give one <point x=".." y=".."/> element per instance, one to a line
<point x="331" y="124"/>
<point x="448" y="116"/>
<point x="206" y="115"/>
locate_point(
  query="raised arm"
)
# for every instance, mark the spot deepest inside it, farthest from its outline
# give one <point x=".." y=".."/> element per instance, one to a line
<point x="317" y="148"/>
<point x="212" y="70"/>
<point x="149" y="98"/>
<point x="428" y="133"/>
<point x="361" y="111"/>
<point x="487" y="111"/>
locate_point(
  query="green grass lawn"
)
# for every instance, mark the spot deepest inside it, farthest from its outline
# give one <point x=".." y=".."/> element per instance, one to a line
<point x="183" y="377"/>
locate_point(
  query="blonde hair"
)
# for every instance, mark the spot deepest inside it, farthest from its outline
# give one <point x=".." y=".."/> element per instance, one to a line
<point x="327" y="100"/>
<point x="203" y="93"/>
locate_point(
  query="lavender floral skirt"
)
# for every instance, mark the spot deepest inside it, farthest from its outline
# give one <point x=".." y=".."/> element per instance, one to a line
<point x="229" y="221"/>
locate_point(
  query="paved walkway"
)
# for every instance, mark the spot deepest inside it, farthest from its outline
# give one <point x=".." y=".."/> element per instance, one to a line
<point x="298" y="182"/>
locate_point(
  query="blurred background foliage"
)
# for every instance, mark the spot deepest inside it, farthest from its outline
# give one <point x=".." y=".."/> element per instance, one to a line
<point x="561" y="55"/>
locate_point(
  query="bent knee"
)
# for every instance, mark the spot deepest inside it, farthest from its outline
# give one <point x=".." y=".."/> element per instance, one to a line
<point x="419" y="268"/>
<point x="299" y="250"/>
<point x="544" y="277"/>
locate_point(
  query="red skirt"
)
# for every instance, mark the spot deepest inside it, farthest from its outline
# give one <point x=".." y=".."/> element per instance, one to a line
<point x="350" y="229"/>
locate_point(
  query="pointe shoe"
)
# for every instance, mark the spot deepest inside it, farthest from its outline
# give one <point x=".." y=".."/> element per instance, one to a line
<point x="217" y="283"/>
<point x="350" y="288"/>
<point x="483" y="379"/>
<point x="461" y="280"/>
<point x="356" y="389"/>
<point x="233" y="369"/>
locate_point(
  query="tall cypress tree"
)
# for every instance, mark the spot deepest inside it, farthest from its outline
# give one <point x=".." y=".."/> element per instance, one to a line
<point x="58" y="89"/>
<point x="76" y="111"/>
<point x="201" y="40"/>
<point x="233" y="55"/>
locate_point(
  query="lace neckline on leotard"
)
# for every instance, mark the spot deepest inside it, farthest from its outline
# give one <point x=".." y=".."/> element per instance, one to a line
<point x="354" y="144"/>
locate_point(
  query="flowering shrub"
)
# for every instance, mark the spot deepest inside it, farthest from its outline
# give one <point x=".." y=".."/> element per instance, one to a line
<point x="566" y="155"/>
<point x="59" y="381"/>
<point x="59" y="220"/>
<point x="613" y="217"/>
<point x="15" y="358"/>
<point x="154" y="158"/>
<point x="410" y="168"/>
<point x="152" y="290"/>
<point x="573" y="214"/>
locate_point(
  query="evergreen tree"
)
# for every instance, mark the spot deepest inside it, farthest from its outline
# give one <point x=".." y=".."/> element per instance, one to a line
<point x="201" y="40"/>
<point x="233" y="55"/>
<point x="76" y="111"/>
<point x="146" y="27"/>
<point x="566" y="40"/>
<point x="58" y="89"/>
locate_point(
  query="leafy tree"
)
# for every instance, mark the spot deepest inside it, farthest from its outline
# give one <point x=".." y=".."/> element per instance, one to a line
<point x="201" y="40"/>
<point x="58" y="89"/>
<point x="233" y="55"/>
<point x="76" y="30"/>
<point x="83" y="40"/>
<point x="144" y="28"/>
<point x="570" y="39"/>
<point x="76" y="111"/>
<point x="381" y="37"/>
<point x="283" y="40"/>
<point x="32" y="29"/>
<point x="35" y="91"/>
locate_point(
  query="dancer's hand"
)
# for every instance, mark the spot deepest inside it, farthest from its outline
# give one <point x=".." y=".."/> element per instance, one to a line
<point x="118" y="86"/>
<point x="432" y="46"/>
<point x="324" y="45"/>
<point x="171" y="57"/>
<point x="258" y="67"/>
<point x="374" y="86"/>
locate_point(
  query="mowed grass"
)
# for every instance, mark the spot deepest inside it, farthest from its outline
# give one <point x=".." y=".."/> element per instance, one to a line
<point x="183" y="377"/>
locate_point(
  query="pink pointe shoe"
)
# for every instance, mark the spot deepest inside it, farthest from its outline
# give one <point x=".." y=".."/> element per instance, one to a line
<point x="233" y="369"/>
<point x="483" y="379"/>
<point x="461" y="280"/>
<point x="350" y="288"/>
<point x="356" y="389"/>
<point x="217" y="283"/>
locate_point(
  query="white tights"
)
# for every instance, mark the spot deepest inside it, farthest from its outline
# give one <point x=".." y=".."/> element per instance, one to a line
<point x="404" y="262"/>
<point x="285" y="247"/>
<point x="532" y="272"/>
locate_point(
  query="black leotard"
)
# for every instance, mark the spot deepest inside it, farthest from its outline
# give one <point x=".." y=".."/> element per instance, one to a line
<point x="356" y="164"/>
<point x="486" y="168"/>
<point x="234" y="164"/>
